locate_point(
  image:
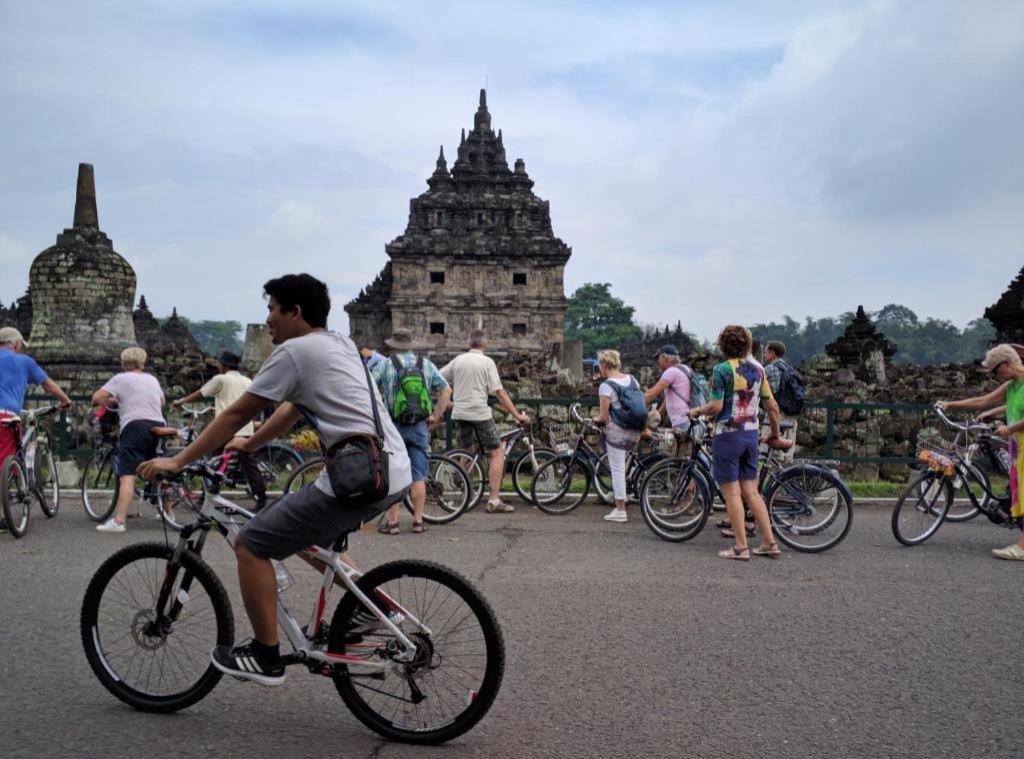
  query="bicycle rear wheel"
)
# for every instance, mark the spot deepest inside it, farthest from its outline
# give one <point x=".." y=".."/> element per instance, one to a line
<point x="675" y="501"/>
<point x="304" y="475"/>
<point x="155" y="660"/>
<point x="560" y="485"/>
<point x="14" y="493"/>
<point x="810" y="510"/>
<point x="460" y="653"/>
<point x="921" y="507"/>
<point x="99" y="487"/>
<point x="447" y="489"/>
<point x="179" y="500"/>
<point x="47" y="486"/>
<point x="962" y="508"/>
<point x="526" y="467"/>
<point x="277" y="462"/>
<point x="474" y="471"/>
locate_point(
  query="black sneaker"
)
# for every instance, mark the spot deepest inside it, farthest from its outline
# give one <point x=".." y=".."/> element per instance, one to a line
<point x="244" y="663"/>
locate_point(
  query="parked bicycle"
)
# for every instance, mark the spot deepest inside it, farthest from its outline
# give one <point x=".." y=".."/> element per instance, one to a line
<point x="29" y="474"/>
<point x="952" y="481"/>
<point x="413" y="648"/>
<point x="563" y="483"/>
<point x="810" y="507"/>
<point x="518" y="440"/>
<point x="448" y="487"/>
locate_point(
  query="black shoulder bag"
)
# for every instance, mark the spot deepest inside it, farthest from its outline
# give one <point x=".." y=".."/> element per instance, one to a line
<point x="357" y="465"/>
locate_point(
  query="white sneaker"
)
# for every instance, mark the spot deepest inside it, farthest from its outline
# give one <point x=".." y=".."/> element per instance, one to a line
<point x="110" y="526"/>
<point x="615" y="515"/>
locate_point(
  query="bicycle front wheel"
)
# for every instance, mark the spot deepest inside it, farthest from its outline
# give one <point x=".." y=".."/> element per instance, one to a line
<point x="476" y="474"/>
<point x="675" y="501"/>
<point x="179" y="499"/>
<point x="47" y="486"/>
<point x="560" y="485"/>
<point x="921" y="507"/>
<point x="962" y="508"/>
<point x="15" y="496"/>
<point x="460" y="653"/>
<point x="155" y="659"/>
<point x="809" y="508"/>
<point x="277" y="462"/>
<point x="447" y="489"/>
<point x="99" y="487"/>
<point x="526" y="467"/>
<point x="306" y="474"/>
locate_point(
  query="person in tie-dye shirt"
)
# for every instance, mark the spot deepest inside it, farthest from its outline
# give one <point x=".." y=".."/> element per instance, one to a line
<point x="738" y="386"/>
<point x="1005" y="364"/>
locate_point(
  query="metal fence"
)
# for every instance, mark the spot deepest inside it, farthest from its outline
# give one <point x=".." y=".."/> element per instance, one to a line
<point x="829" y="429"/>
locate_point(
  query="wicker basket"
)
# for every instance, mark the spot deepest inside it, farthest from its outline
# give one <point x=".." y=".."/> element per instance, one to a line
<point x="936" y="452"/>
<point x="664" y="441"/>
<point x="563" y="437"/>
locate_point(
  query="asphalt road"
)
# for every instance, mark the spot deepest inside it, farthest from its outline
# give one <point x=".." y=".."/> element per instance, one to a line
<point x="618" y="645"/>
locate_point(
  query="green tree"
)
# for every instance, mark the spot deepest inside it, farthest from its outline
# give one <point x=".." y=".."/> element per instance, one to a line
<point x="598" y="318"/>
<point x="216" y="336"/>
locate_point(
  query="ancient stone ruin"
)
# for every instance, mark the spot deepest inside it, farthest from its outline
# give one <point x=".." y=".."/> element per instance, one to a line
<point x="1007" y="313"/>
<point x="639" y="353"/>
<point x="862" y="350"/>
<point x="174" y="355"/>
<point x="82" y="293"/>
<point x="478" y="251"/>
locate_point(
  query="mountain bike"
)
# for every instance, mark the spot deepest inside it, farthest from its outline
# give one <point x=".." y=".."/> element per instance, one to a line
<point x="100" y="485"/>
<point x="563" y="483"/>
<point x="29" y="474"/>
<point x="448" y="487"/>
<point x="522" y="467"/>
<point x="276" y="461"/>
<point x="810" y="507"/>
<point x="414" y="650"/>
<point x="952" y="480"/>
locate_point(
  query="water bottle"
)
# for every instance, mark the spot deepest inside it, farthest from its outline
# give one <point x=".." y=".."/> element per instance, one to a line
<point x="284" y="579"/>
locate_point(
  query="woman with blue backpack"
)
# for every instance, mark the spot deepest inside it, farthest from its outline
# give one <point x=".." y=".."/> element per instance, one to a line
<point x="623" y="412"/>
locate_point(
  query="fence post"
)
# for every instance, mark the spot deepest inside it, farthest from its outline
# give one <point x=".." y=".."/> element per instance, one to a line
<point x="829" y="425"/>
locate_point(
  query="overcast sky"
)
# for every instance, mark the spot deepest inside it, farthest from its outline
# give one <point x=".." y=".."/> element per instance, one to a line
<point x="715" y="161"/>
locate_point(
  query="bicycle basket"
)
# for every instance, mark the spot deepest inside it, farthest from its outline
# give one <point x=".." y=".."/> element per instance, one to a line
<point x="563" y="437"/>
<point x="936" y="452"/>
<point x="664" y="441"/>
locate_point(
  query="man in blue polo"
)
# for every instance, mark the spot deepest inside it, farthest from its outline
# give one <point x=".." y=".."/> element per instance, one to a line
<point x="17" y="372"/>
<point x="415" y="431"/>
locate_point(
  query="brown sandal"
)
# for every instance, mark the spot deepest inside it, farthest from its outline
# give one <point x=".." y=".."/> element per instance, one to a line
<point x="419" y="527"/>
<point x="771" y="550"/>
<point x="388" y="529"/>
<point x="739" y="554"/>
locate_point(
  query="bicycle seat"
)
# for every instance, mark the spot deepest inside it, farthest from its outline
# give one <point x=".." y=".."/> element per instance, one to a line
<point x="778" y="443"/>
<point x="164" y="431"/>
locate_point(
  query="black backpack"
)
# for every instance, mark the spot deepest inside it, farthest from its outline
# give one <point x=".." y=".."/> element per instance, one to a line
<point x="792" y="390"/>
<point x="632" y="411"/>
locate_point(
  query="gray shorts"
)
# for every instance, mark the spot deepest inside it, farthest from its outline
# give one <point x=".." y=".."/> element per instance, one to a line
<point x="304" y="518"/>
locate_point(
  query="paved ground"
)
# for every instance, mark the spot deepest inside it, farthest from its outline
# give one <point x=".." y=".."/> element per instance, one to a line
<point x="618" y="645"/>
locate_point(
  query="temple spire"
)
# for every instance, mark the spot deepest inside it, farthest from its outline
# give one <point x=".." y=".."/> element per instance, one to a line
<point x="86" y="216"/>
<point x="482" y="119"/>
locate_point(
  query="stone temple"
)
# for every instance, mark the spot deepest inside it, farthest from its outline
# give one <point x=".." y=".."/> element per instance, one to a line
<point x="1007" y="313"/>
<point x="82" y="293"/>
<point x="478" y="251"/>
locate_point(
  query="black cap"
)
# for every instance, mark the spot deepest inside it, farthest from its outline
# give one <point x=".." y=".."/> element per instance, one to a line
<point x="229" y="359"/>
<point x="667" y="350"/>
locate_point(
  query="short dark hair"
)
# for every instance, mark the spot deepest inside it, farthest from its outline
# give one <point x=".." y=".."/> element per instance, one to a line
<point x="777" y="347"/>
<point x="302" y="290"/>
<point x="735" y="341"/>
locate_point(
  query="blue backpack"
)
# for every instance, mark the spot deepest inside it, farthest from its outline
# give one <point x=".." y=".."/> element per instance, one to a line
<point x="632" y="411"/>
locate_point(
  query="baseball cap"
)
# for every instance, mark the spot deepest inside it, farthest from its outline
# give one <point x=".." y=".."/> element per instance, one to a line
<point x="667" y="350"/>
<point x="11" y="335"/>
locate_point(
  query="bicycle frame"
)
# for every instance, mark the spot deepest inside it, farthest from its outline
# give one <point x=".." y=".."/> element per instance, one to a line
<point x="27" y="437"/>
<point x="221" y="514"/>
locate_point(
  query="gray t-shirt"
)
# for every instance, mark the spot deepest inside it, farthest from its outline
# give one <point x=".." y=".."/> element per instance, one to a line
<point x="323" y="374"/>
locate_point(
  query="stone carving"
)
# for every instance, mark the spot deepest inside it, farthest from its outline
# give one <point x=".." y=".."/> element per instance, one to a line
<point x="1007" y="313"/>
<point x="257" y="347"/>
<point x="639" y="353"/>
<point x="479" y="249"/>
<point x="18" y="315"/>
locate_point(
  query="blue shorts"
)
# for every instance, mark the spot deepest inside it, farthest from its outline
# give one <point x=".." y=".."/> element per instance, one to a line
<point x="417" y="445"/>
<point x="734" y="456"/>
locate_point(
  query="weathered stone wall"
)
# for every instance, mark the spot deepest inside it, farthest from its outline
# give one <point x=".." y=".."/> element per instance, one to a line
<point x="257" y="347"/>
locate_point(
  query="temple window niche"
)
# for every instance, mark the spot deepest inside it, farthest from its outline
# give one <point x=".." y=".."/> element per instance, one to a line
<point x="518" y="329"/>
<point x="437" y="277"/>
<point x="437" y="328"/>
<point x="519" y="278"/>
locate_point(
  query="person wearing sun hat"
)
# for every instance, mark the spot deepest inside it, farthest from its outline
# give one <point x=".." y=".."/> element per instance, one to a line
<point x="1004" y="363"/>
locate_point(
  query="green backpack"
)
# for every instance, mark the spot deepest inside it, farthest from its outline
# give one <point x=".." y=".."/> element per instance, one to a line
<point x="412" y="401"/>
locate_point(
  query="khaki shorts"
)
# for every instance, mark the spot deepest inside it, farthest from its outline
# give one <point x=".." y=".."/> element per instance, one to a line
<point x="484" y="431"/>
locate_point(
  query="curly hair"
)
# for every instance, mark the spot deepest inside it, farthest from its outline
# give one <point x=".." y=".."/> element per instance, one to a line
<point x="734" y="341"/>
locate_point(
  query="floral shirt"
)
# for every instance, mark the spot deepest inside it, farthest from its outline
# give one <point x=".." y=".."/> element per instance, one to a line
<point x="740" y="385"/>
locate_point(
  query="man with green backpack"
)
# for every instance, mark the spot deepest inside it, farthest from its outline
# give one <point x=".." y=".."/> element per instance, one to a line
<point x="406" y="382"/>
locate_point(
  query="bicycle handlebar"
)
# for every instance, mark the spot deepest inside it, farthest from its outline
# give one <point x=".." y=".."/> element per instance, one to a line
<point x="194" y="412"/>
<point x="44" y="411"/>
<point x="976" y="427"/>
